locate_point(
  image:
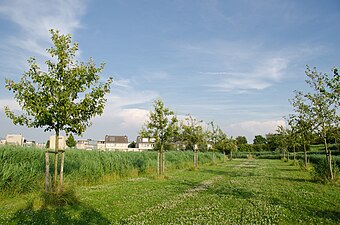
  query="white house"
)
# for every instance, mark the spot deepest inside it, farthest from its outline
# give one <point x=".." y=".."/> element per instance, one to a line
<point x="145" y="143"/>
<point x="15" y="139"/>
<point x="2" y="141"/>
<point x="87" y="144"/>
<point x="119" y="143"/>
<point x="101" y="145"/>
<point x="62" y="142"/>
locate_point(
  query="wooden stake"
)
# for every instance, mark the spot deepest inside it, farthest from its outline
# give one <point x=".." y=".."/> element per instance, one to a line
<point x="47" y="173"/>
<point x="62" y="170"/>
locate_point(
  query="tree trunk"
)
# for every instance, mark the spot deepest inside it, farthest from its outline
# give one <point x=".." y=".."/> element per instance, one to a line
<point x="195" y="159"/>
<point x="161" y="161"/>
<point x="195" y="156"/>
<point x="158" y="164"/>
<point x="62" y="171"/>
<point x="55" y="175"/>
<point x="329" y="159"/>
<point x="231" y="155"/>
<point x="294" y="153"/>
<point x="47" y="172"/>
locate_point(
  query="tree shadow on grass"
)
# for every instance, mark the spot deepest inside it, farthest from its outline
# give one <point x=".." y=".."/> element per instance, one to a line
<point x="240" y="193"/>
<point x="59" y="209"/>
<point x="310" y="211"/>
<point x="292" y="179"/>
<point x="328" y="214"/>
<point x="240" y="173"/>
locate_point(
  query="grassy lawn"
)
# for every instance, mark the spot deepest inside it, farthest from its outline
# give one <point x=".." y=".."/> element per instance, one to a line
<point x="237" y="192"/>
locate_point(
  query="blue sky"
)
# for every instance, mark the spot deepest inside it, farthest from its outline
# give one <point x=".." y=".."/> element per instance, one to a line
<point x="232" y="62"/>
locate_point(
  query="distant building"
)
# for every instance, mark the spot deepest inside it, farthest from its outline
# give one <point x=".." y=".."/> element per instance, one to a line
<point x="15" y="139"/>
<point x="30" y="144"/>
<point x="119" y="143"/>
<point x="2" y="141"/>
<point x="145" y="143"/>
<point x="62" y="142"/>
<point x="87" y="144"/>
<point x="101" y="145"/>
<point x="40" y="145"/>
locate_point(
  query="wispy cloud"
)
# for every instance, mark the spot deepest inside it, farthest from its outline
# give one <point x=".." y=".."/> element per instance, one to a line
<point x="252" y="128"/>
<point x="262" y="76"/>
<point x="155" y="76"/>
<point x="34" y="20"/>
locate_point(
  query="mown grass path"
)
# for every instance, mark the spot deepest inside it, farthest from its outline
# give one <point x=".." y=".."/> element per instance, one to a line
<point x="236" y="192"/>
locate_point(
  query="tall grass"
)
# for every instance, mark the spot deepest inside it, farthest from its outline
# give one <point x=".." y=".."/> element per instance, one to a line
<point x="22" y="169"/>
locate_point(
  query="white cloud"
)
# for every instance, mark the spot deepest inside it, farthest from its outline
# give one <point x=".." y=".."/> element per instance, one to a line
<point x="241" y="65"/>
<point x="11" y="103"/>
<point x="155" y="76"/>
<point x="133" y="118"/>
<point x="253" y="127"/>
<point x="263" y="76"/>
<point x="34" y="20"/>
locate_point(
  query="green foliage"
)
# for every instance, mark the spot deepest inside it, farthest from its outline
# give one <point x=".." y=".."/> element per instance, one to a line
<point x="71" y="142"/>
<point x="132" y="145"/>
<point x="192" y="133"/>
<point x="317" y="111"/>
<point x="246" y="148"/>
<point x="260" y="147"/>
<point x="259" y="140"/>
<point x="241" y="140"/>
<point x="162" y="124"/>
<point x="220" y="141"/>
<point x="320" y="170"/>
<point x="22" y="169"/>
<point x="65" y="97"/>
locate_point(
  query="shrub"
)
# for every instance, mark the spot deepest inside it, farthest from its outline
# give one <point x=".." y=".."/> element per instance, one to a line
<point x="320" y="171"/>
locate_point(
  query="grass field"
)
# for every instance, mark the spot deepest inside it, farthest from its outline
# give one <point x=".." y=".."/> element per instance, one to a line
<point x="240" y="191"/>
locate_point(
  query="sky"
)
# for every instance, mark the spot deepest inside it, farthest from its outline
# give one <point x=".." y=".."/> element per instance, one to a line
<point x="232" y="62"/>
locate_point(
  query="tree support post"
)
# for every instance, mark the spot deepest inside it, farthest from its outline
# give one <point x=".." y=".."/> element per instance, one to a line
<point x="62" y="170"/>
<point x="195" y="156"/>
<point x="47" y="174"/>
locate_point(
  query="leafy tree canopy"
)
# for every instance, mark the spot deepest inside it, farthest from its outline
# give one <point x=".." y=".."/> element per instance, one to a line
<point x="162" y="124"/>
<point x="241" y="140"/>
<point x="71" y="142"/>
<point x="259" y="140"/>
<point x="65" y="97"/>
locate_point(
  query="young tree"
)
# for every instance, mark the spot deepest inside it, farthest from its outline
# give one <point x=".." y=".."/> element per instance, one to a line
<point x="301" y="121"/>
<point x="283" y="140"/>
<point x="213" y="133"/>
<point x="222" y="143"/>
<point x="64" y="98"/>
<point x="324" y="101"/>
<point x="193" y="135"/>
<point x="71" y="142"/>
<point x="162" y="126"/>
<point x="260" y="143"/>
